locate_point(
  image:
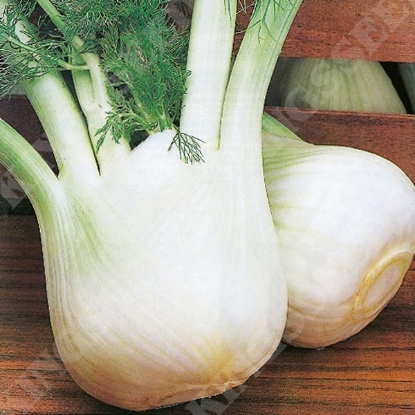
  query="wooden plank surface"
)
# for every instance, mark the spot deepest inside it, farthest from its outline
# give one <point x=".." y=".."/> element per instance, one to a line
<point x="372" y="30"/>
<point x="371" y="373"/>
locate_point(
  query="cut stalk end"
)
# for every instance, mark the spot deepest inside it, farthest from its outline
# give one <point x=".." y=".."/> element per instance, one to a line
<point x="381" y="284"/>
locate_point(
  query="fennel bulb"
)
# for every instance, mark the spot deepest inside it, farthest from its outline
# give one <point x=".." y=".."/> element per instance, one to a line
<point x="141" y="264"/>
<point x="345" y="220"/>
<point x="333" y="84"/>
<point x="407" y="72"/>
<point x="162" y="279"/>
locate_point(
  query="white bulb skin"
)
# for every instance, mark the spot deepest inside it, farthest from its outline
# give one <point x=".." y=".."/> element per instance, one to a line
<point x="345" y="220"/>
<point x="162" y="280"/>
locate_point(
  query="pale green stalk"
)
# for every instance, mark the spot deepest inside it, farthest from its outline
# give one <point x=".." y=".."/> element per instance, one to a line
<point x="275" y="127"/>
<point x="63" y="124"/>
<point x="209" y="61"/>
<point x="92" y="95"/>
<point x="28" y="168"/>
<point x="65" y="129"/>
<point x="251" y="74"/>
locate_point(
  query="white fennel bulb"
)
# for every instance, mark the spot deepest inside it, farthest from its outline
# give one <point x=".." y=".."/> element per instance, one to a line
<point x="161" y="284"/>
<point x="407" y="73"/>
<point x="162" y="279"/>
<point x="345" y="220"/>
<point x="333" y="84"/>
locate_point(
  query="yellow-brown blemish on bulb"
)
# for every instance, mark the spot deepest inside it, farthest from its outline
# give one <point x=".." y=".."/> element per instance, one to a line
<point x="380" y="285"/>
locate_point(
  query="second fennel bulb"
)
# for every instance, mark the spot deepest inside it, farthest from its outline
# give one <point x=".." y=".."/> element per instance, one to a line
<point x="333" y="84"/>
<point x="345" y="219"/>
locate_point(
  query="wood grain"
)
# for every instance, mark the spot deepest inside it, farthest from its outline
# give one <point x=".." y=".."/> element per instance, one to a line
<point x="372" y="30"/>
<point x="371" y="373"/>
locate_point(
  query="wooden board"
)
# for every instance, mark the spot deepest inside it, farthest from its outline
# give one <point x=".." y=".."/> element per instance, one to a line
<point x="372" y="30"/>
